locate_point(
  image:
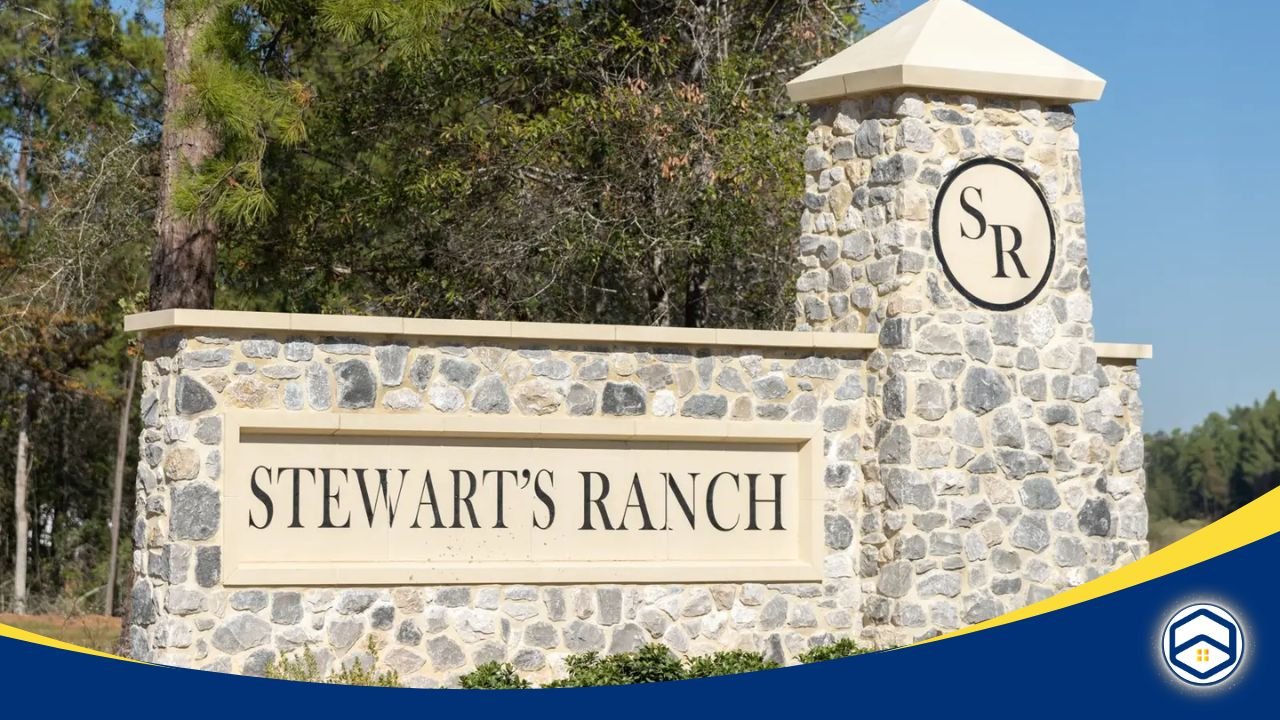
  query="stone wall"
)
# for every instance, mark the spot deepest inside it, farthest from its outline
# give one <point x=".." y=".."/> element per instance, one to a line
<point x="1008" y="461"/>
<point x="184" y="616"/>
<point x="975" y="461"/>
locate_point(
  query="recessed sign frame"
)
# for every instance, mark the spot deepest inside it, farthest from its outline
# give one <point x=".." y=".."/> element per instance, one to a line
<point x="994" y="234"/>
<point x="714" y="519"/>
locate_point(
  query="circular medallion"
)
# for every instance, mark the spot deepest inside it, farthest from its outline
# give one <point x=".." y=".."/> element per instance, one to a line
<point x="1203" y="644"/>
<point x="993" y="233"/>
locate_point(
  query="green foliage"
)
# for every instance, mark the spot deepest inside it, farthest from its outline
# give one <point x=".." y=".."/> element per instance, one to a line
<point x="305" y="668"/>
<point x="1217" y="467"/>
<point x="842" y="648"/>
<point x="622" y="161"/>
<point x="651" y="663"/>
<point x="493" y="676"/>
<point x="79" y="110"/>
<point x="728" y="662"/>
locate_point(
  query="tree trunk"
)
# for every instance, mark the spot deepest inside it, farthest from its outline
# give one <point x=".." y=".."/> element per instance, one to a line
<point x="122" y="445"/>
<point x="22" y="470"/>
<point x="183" y="262"/>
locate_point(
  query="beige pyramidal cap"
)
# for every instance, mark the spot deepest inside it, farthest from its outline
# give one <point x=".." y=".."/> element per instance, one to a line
<point x="948" y="45"/>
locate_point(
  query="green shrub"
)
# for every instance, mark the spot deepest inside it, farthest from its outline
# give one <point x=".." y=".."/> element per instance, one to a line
<point x="844" y="647"/>
<point x="729" y="662"/>
<point x="651" y="663"/>
<point x="493" y="676"/>
<point x="304" y="668"/>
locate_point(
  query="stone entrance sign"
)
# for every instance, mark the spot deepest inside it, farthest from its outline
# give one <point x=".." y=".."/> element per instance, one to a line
<point x="940" y="440"/>
<point x="993" y="233"/>
<point x="309" y="502"/>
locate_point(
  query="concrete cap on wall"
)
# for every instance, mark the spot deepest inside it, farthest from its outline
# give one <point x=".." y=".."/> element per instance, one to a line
<point x="952" y="46"/>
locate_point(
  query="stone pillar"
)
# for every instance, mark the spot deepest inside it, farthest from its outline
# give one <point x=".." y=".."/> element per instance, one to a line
<point x="1007" y="461"/>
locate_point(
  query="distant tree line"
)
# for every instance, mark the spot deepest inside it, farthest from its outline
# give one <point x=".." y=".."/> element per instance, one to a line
<point x="1218" y="466"/>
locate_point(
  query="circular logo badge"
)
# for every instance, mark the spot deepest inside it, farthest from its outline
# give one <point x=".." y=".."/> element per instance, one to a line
<point x="1202" y="644"/>
<point x="993" y="233"/>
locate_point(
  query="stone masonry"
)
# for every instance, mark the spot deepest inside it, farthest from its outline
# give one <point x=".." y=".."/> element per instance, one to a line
<point x="183" y="615"/>
<point x="1007" y="460"/>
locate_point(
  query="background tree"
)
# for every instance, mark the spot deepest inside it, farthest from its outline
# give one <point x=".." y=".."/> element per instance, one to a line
<point x="78" y="122"/>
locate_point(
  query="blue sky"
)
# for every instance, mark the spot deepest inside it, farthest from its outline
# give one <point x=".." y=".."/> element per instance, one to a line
<point x="1180" y="163"/>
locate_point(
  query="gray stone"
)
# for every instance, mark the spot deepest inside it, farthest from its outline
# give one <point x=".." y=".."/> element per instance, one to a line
<point x="344" y="347"/>
<point x="242" y="632"/>
<point x="894" y="398"/>
<point x="1069" y="552"/>
<point x="541" y="634"/>
<point x="581" y="399"/>
<point x="445" y="654"/>
<point x="1005" y="561"/>
<point x="454" y="597"/>
<point x="409" y="633"/>
<point x="354" y="602"/>
<point x="1095" y="518"/>
<point x="344" y="633"/>
<point x="931" y="400"/>
<point x="294" y="396"/>
<point x="770" y="387"/>
<point x="491" y="396"/>
<point x="895" y="579"/>
<point x="420" y="371"/>
<point x="553" y="368"/>
<point x="248" y="600"/>
<point x="1006" y="429"/>
<point x="198" y="359"/>
<point x="1018" y="464"/>
<point x="402" y="399"/>
<point x="1030" y="533"/>
<point x="623" y="399"/>
<point x="950" y="116"/>
<point x="382" y="617"/>
<point x="391" y="362"/>
<point x="969" y="514"/>
<point x="255" y="665"/>
<point x="580" y="637"/>
<point x="298" y="351"/>
<point x="529" y="660"/>
<point x="197" y="511"/>
<point x="869" y="139"/>
<point x="1040" y="493"/>
<point x="628" y="638"/>
<point x="894" y="445"/>
<point x="356" y="385"/>
<point x="286" y="608"/>
<point x="318" y="393"/>
<point x="594" y="369"/>
<point x="610" y="602"/>
<point x="1006" y="585"/>
<point x="655" y="376"/>
<point x="947" y="584"/>
<point x="774" y="613"/>
<point x="209" y="430"/>
<point x="838" y="531"/>
<point x="192" y="398"/>
<point x="142" y="602"/>
<point x="260" y="349"/>
<point x="705" y="406"/>
<point x="459" y="373"/>
<point x="1130" y="456"/>
<point x="730" y="379"/>
<point x="981" y="607"/>
<point x="984" y="390"/>
<point x="208" y="566"/>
